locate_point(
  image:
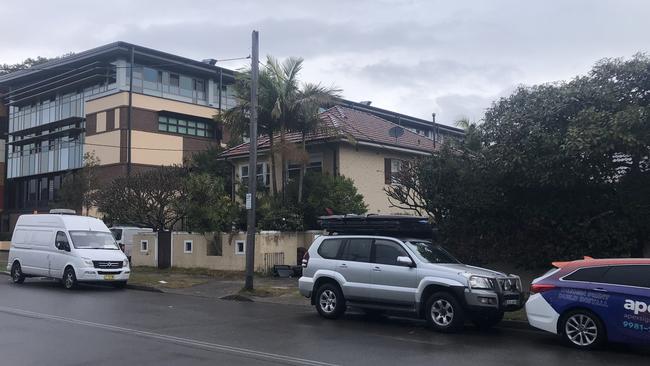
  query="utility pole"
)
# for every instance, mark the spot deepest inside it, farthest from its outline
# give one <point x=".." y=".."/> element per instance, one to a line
<point x="252" y="167"/>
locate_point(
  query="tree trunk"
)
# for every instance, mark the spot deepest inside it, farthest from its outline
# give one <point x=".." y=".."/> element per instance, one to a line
<point x="282" y="169"/>
<point x="302" y="171"/>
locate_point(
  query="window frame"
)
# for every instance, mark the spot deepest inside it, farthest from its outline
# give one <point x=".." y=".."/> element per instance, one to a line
<point x="145" y="248"/>
<point x="339" y="250"/>
<point x="373" y="252"/>
<point x="609" y="266"/>
<point x="347" y="242"/>
<point x="243" y="243"/>
<point x="191" y="243"/>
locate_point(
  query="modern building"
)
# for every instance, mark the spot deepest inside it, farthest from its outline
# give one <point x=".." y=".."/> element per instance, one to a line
<point x="86" y="104"/>
<point x="350" y="142"/>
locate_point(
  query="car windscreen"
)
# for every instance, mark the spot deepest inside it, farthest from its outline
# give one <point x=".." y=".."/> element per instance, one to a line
<point x="93" y="240"/>
<point x="430" y="253"/>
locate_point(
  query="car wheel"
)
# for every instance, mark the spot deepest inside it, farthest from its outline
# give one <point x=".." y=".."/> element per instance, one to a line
<point x="69" y="279"/>
<point x="582" y="329"/>
<point x="444" y="313"/>
<point x="119" y="284"/>
<point x="17" y="275"/>
<point x="487" y="320"/>
<point x="330" y="302"/>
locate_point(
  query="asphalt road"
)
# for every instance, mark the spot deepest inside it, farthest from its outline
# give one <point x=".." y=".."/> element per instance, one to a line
<point x="41" y="323"/>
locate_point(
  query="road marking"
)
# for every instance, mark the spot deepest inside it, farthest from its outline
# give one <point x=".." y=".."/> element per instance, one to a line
<point x="167" y="338"/>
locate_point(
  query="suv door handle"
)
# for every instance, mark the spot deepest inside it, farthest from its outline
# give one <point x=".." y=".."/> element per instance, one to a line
<point x="343" y="265"/>
<point x="376" y="269"/>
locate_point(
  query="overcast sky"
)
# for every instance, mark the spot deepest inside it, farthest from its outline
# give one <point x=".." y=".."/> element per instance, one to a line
<point x="415" y="57"/>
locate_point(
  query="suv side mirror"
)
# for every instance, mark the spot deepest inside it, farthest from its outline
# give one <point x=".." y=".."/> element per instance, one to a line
<point x="404" y="261"/>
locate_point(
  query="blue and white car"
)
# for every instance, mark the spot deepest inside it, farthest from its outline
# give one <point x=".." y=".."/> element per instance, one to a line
<point x="589" y="302"/>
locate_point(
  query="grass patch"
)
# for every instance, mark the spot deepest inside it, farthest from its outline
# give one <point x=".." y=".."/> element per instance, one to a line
<point x="176" y="278"/>
<point x="519" y="315"/>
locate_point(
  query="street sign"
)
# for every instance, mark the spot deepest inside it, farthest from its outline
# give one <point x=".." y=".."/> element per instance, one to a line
<point x="249" y="200"/>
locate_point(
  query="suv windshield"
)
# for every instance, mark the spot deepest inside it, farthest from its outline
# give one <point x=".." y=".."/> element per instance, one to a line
<point x="430" y="253"/>
<point x="93" y="240"/>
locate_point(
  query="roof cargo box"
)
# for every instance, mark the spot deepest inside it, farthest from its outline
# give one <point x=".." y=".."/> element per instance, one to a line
<point x="383" y="225"/>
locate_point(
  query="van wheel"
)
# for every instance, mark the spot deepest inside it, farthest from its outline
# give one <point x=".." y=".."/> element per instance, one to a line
<point x="582" y="329"/>
<point x="69" y="279"/>
<point x="17" y="275"/>
<point x="330" y="302"/>
<point x="444" y="313"/>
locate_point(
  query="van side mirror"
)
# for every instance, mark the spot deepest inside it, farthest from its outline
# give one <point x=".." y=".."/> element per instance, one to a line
<point x="404" y="261"/>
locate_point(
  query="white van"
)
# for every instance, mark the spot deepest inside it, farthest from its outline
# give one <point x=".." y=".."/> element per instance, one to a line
<point x="124" y="236"/>
<point x="66" y="247"/>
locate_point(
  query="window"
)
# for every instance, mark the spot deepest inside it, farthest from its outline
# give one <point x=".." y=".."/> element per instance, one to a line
<point x="589" y="274"/>
<point x="630" y="275"/>
<point x="176" y="125"/>
<point x="329" y="248"/>
<point x="174" y="80"/>
<point x="144" y="246"/>
<point x="391" y="168"/>
<point x="240" y="247"/>
<point x="386" y="252"/>
<point x="263" y="174"/>
<point x="187" y="246"/>
<point x="357" y="250"/>
<point x="61" y="238"/>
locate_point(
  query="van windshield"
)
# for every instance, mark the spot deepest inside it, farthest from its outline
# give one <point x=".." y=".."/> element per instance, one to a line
<point x="430" y="253"/>
<point x="93" y="240"/>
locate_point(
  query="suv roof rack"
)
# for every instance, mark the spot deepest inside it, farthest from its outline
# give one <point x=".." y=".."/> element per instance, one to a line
<point x="383" y="225"/>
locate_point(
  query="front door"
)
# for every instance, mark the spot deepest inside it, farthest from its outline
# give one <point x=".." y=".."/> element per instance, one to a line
<point x="391" y="282"/>
<point x="59" y="256"/>
<point x="164" y="249"/>
<point x="627" y="289"/>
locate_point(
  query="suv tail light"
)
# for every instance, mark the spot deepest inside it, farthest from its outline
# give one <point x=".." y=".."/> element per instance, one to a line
<point x="537" y="288"/>
<point x="305" y="260"/>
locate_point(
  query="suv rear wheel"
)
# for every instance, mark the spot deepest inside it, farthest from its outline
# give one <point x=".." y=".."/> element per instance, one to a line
<point x="444" y="313"/>
<point x="330" y="302"/>
<point x="582" y="329"/>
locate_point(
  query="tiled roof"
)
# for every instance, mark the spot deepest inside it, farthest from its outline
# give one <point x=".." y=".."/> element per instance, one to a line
<point x="340" y="123"/>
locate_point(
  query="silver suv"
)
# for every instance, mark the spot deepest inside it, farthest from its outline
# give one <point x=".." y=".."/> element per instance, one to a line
<point x="379" y="273"/>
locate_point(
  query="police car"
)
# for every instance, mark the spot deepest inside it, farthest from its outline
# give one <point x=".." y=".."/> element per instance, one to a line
<point x="591" y="301"/>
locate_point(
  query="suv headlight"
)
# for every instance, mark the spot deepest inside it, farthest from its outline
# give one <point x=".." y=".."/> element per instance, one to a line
<point x="88" y="262"/>
<point x="483" y="283"/>
<point x="125" y="264"/>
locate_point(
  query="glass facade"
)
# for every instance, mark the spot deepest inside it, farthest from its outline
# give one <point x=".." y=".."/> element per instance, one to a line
<point x="161" y="83"/>
<point x="36" y="149"/>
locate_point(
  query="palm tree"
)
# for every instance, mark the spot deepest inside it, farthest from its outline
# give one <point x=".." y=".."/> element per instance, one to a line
<point x="284" y="106"/>
<point x="472" y="139"/>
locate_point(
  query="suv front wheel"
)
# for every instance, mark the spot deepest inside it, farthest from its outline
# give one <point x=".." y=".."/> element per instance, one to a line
<point x="330" y="302"/>
<point x="444" y="313"/>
